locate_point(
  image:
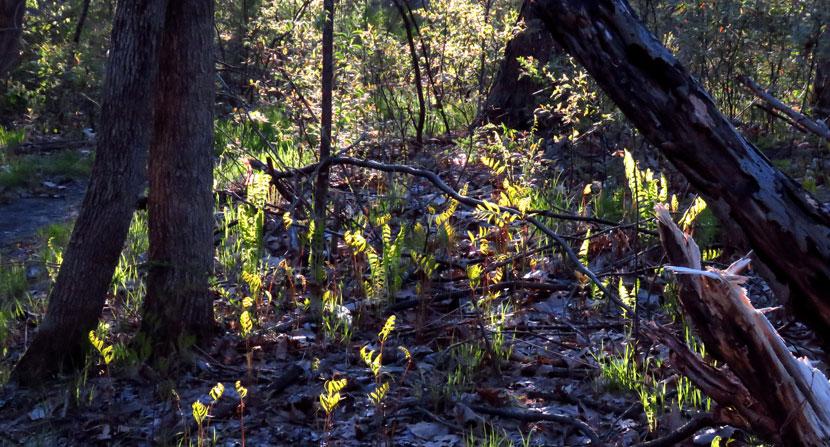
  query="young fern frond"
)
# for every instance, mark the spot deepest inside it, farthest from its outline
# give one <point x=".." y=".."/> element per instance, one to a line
<point x="697" y="207"/>
<point x="200" y="412"/>
<point x="330" y="398"/>
<point x="241" y="390"/>
<point x="217" y="391"/>
<point x="387" y="329"/>
<point x="425" y="263"/>
<point x="371" y="360"/>
<point x="107" y="352"/>
<point x="379" y="393"/>
<point x="246" y="323"/>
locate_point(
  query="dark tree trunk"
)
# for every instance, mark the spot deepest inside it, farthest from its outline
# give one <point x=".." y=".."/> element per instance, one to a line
<point x="787" y="227"/>
<point x="178" y="305"/>
<point x="11" y="27"/>
<point x="820" y="101"/>
<point x="117" y="178"/>
<point x="408" y="22"/>
<point x="514" y="96"/>
<point x="79" y="28"/>
<point x="321" y="186"/>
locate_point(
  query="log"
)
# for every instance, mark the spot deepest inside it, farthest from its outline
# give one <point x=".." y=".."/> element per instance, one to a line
<point x="781" y="397"/>
<point x="816" y="127"/>
<point x="787" y="228"/>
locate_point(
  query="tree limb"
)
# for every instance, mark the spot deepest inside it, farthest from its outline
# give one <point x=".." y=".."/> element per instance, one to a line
<point x="464" y="200"/>
<point x="815" y="127"/>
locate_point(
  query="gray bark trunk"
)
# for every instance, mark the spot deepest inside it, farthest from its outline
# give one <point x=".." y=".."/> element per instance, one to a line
<point x="118" y="174"/>
<point x="180" y="205"/>
<point x="820" y="101"/>
<point x="321" y="185"/>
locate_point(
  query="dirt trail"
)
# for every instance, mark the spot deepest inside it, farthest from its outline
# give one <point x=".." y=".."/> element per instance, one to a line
<point x="21" y="218"/>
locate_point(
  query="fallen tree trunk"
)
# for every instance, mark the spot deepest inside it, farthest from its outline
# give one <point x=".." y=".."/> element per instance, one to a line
<point x="788" y="229"/>
<point x="779" y="396"/>
<point x="816" y="127"/>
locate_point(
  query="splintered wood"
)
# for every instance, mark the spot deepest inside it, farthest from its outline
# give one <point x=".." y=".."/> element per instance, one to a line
<point x="763" y="388"/>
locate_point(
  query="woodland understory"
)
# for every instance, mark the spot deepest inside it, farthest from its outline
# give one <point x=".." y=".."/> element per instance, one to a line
<point x="491" y="269"/>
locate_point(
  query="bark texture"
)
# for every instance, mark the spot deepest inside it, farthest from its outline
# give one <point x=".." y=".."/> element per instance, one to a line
<point x="788" y="229"/>
<point x="77" y="298"/>
<point x="796" y="410"/>
<point x="820" y="100"/>
<point x="178" y="305"/>
<point x="321" y="185"/>
<point x="514" y="96"/>
<point x="11" y="27"/>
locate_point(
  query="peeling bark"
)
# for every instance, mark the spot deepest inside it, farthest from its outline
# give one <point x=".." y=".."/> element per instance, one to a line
<point x="788" y="229"/>
<point x="781" y="397"/>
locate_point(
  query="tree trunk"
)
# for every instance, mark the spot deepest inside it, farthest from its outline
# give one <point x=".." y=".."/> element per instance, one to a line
<point x="118" y="174"/>
<point x="787" y="227"/>
<point x="178" y="305"/>
<point x="514" y="96"/>
<point x="796" y="411"/>
<point x="820" y="101"/>
<point x="321" y="186"/>
<point x="408" y="21"/>
<point x="11" y="27"/>
<point x="79" y="28"/>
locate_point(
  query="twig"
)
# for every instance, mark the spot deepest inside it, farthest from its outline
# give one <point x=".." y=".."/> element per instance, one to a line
<point x="434" y="417"/>
<point x="683" y="432"/>
<point x="816" y="127"/>
<point x="536" y="416"/>
<point x="465" y="200"/>
<point x="504" y="285"/>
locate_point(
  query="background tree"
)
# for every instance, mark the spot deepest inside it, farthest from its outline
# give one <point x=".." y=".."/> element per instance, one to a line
<point x="515" y="93"/>
<point x="821" y="86"/>
<point x="117" y="179"/>
<point x="180" y="204"/>
<point x="11" y="27"/>
<point x="321" y="186"/>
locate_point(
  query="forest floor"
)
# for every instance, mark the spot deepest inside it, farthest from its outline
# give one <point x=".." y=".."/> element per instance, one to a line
<point x="24" y="215"/>
<point x="542" y="362"/>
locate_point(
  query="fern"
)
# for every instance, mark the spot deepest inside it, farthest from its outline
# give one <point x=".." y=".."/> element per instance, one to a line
<point x="442" y="221"/>
<point x="694" y="210"/>
<point x="379" y="393"/>
<point x="646" y="189"/>
<point x="331" y="398"/>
